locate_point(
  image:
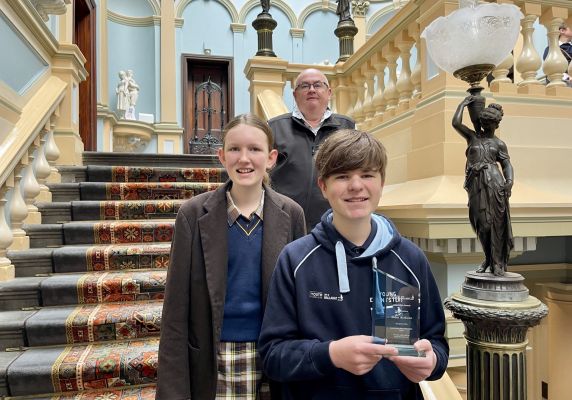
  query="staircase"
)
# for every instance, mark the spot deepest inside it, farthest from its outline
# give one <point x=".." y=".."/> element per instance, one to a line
<point x="82" y="318"/>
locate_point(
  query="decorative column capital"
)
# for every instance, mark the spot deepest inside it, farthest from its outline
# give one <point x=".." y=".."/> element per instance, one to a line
<point x="360" y="8"/>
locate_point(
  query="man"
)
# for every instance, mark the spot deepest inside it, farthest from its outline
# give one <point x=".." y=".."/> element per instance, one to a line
<point x="565" y="43"/>
<point x="297" y="136"/>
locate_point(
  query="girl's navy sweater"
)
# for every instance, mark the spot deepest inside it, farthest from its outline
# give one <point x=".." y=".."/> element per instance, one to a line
<point x="306" y="310"/>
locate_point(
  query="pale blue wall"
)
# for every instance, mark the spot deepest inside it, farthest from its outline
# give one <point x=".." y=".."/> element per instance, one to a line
<point x="319" y="42"/>
<point x="133" y="48"/>
<point x="208" y="23"/>
<point x="133" y="8"/>
<point x="25" y="64"/>
<point x="380" y="22"/>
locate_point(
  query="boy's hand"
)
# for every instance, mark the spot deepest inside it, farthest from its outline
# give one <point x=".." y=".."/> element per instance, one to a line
<point x="417" y="369"/>
<point x="357" y="354"/>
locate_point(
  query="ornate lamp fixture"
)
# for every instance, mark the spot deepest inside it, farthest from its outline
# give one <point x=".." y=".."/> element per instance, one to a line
<point x="471" y="41"/>
<point x="495" y="306"/>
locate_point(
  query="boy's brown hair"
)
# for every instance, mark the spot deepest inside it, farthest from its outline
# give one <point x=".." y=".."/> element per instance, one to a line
<point x="350" y="149"/>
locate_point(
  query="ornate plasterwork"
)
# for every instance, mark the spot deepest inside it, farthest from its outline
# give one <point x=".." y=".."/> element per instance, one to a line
<point x="46" y="7"/>
<point x="360" y="7"/>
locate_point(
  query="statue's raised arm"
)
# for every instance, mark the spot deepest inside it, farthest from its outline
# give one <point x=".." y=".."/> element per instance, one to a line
<point x="464" y="130"/>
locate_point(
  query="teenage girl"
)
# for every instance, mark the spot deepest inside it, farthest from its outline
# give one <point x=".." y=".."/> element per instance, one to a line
<point x="223" y="254"/>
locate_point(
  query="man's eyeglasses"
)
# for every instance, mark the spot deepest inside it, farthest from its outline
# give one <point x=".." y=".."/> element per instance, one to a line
<point x="305" y="86"/>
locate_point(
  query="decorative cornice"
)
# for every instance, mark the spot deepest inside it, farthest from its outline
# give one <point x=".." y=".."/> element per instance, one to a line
<point x="238" y="28"/>
<point x="47" y="7"/>
<point x="69" y="57"/>
<point x="297" y="33"/>
<point x="467" y="245"/>
<point x="133" y="21"/>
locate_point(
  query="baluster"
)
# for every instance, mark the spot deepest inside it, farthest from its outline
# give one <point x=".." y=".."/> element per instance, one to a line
<point x="404" y="85"/>
<point x="359" y="80"/>
<point x="529" y="61"/>
<point x="7" y="271"/>
<point x="391" y="95"/>
<point x="380" y="64"/>
<point x="52" y="153"/>
<point x="18" y="212"/>
<point x="333" y="86"/>
<point x="342" y="95"/>
<point x="555" y="63"/>
<point x="416" y="73"/>
<point x="352" y="90"/>
<point x="500" y="73"/>
<point x="31" y="187"/>
<point x="368" y="108"/>
<point x="42" y="169"/>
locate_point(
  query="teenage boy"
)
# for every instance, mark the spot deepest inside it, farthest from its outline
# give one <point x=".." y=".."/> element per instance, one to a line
<point x="316" y="335"/>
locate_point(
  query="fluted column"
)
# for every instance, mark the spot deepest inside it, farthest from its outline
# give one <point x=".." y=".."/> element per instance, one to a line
<point x="555" y="63"/>
<point x="404" y="85"/>
<point x="52" y="153"/>
<point x="42" y="169"/>
<point x="391" y="95"/>
<point x="6" y="238"/>
<point x="31" y="187"/>
<point x="18" y="212"/>
<point x="529" y="61"/>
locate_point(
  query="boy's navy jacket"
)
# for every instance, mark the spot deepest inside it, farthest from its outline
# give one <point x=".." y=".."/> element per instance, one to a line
<point x="306" y="310"/>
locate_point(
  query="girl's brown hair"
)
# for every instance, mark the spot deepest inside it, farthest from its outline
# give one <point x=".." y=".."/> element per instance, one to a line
<point x="250" y="120"/>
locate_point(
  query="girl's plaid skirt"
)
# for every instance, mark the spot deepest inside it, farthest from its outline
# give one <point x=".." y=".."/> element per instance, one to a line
<point x="240" y="373"/>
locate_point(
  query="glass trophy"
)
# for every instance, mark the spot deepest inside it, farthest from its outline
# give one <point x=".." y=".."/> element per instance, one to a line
<point x="395" y="313"/>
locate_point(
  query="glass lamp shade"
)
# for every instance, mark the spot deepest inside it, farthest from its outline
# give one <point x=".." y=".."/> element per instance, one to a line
<point x="471" y="35"/>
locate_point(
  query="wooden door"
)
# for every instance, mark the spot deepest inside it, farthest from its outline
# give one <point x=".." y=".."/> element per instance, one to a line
<point x="84" y="37"/>
<point x="197" y="70"/>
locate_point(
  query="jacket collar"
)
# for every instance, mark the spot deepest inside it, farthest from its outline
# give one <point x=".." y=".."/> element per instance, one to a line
<point x="213" y="227"/>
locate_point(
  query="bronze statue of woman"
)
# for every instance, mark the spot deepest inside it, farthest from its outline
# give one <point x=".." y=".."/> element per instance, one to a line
<point x="488" y="188"/>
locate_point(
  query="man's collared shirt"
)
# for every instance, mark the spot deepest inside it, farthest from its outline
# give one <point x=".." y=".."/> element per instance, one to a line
<point x="233" y="212"/>
<point x="296" y="113"/>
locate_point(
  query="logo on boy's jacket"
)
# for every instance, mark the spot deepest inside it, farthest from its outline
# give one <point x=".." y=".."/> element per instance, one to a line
<point x="326" y="296"/>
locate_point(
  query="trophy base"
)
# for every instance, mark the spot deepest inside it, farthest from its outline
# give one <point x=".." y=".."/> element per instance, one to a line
<point x="407" y="350"/>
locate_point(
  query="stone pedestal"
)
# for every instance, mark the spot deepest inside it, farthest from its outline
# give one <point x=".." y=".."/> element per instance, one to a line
<point x="496" y="312"/>
<point x="264" y="25"/>
<point x="345" y="32"/>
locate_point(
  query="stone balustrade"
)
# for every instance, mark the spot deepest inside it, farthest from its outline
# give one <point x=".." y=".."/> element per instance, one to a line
<point x="27" y="161"/>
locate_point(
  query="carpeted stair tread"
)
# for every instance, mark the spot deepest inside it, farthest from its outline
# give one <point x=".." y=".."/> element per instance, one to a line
<point x="143" y="190"/>
<point x="103" y="287"/>
<point x="135" y="393"/>
<point x="99" y="173"/>
<point x="113" y="365"/>
<point x="93" y="323"/>
<point x="111" y="257"/>
<point x="118" y="232"/>
<point x="124" y="210"/>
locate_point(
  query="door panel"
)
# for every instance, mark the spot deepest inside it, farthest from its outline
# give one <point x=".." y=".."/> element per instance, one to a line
<point x="196" y="115"/>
